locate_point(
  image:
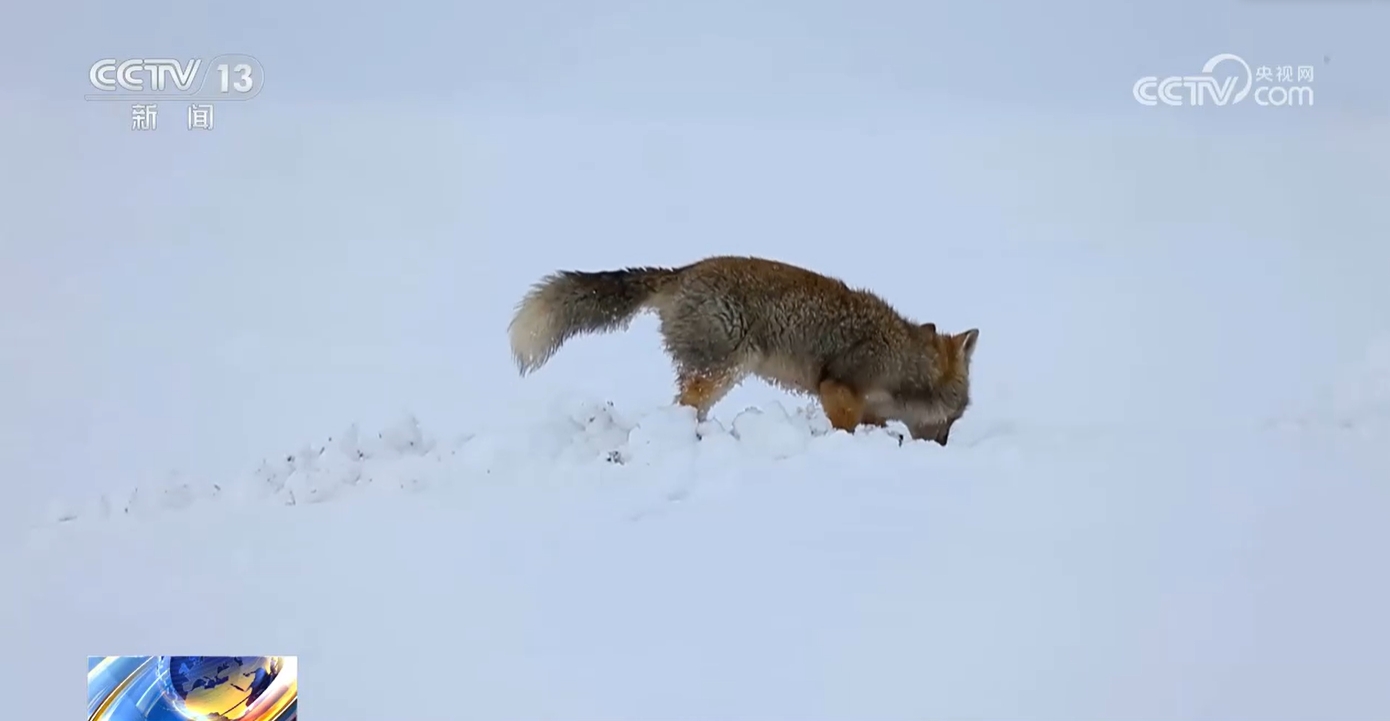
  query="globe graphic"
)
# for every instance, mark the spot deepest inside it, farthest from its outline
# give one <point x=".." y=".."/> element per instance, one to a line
<point x="215" y="688"/>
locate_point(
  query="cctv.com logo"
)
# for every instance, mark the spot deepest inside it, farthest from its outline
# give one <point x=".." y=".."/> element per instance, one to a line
<point x="1211" y="89"/>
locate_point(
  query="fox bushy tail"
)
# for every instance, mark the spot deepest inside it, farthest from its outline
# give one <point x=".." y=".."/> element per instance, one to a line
<point x="570" y="302"/>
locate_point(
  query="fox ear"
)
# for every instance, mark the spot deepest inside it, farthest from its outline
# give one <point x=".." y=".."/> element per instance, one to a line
<point x="929" y="327"/>
<point x="967" y="342"/>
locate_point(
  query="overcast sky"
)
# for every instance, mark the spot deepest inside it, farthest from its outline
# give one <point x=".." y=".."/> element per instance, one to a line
<point x="703" y="56"/>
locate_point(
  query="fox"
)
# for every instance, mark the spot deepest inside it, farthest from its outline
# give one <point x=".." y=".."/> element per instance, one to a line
<point x="725" y="318"/>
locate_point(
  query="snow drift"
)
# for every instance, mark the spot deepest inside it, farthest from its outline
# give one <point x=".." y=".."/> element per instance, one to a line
<point x="548" y="569"/>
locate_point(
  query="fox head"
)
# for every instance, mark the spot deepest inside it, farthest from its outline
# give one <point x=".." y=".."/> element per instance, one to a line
<point x="950" y="393"/>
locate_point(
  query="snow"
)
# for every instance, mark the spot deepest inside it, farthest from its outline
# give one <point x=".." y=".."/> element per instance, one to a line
<point x="255" y="394"/>
<point x="587" y="564"/>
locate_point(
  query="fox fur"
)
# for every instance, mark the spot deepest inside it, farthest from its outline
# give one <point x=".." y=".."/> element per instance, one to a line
<point x="725" y="318"/>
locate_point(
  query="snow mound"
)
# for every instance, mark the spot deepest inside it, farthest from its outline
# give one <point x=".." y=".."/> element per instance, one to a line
<point x="575" y="441"/>
<point x="592" y="552"/>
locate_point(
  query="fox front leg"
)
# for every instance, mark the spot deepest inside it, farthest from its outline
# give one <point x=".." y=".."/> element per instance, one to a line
<point x="842" y="405"/>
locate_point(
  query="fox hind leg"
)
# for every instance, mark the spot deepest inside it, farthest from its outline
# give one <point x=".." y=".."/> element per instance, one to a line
<point x="705" y="339"/>
<point x="701" y="389"/>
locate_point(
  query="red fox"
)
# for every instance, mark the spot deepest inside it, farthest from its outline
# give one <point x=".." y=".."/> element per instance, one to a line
<point x="725" y="318"/>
